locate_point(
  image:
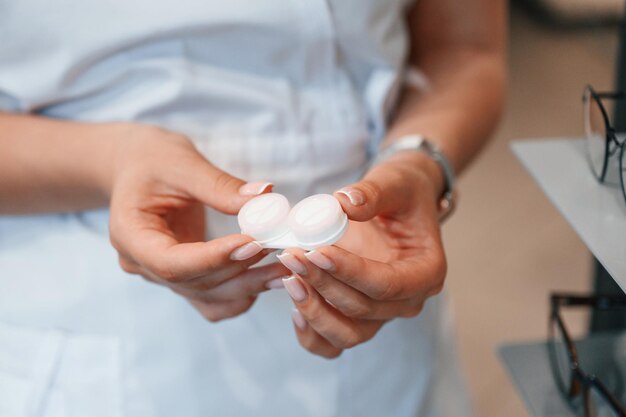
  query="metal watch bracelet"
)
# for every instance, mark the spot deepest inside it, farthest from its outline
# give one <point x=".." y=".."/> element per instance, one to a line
<point x="419" y="143"/>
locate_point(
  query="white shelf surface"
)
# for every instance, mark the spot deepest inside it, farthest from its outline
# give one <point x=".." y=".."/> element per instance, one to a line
<point x="597" y="212"/>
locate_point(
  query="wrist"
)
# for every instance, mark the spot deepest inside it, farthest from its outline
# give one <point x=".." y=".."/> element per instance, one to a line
<point x="425" y="156"/>
<point x="424" y="167"/>
<point x="113" y="140"/>
<point x="143" y="152"/>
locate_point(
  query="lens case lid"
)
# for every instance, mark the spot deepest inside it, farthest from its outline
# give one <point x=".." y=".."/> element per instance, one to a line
<point x="316" y="221"/>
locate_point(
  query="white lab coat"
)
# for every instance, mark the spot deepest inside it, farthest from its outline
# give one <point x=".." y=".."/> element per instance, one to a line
<point x="293" y="92"/>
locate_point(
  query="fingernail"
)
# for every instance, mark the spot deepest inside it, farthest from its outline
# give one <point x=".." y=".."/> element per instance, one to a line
<point x="246" y="251"/>
<point x="298" y="319"/>
<point x="275" y="284"/>
<point x="295" y="289"/>
<point x="319" y="260"/>
<point x="292" y="263"/>
<point x="254" y="188"/>
<point x="355" y="196"/>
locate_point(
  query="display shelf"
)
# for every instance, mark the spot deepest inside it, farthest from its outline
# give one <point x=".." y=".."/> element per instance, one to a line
<point x="595" y="211"/>
<point x="529" y="367"/>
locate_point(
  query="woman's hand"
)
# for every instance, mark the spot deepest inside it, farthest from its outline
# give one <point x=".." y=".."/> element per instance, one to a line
<point x="160" y="185"/>
<point x="386" y="266"/>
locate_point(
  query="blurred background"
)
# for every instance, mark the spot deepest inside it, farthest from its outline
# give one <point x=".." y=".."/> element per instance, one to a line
<point x="508" y="247"/>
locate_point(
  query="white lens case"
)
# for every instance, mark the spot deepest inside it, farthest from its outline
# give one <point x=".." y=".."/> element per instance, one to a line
<point x="315" y="221"/>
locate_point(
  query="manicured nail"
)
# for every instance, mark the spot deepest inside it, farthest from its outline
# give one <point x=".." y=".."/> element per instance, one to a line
<point x="254" y="188"/>
<point x="298" y="319"/>
<point x="355" y="196"/>
<point x="292" y="263"/>
<point x="295" y="289"/>
<point x="246" y="251"/>
<point x="319" y="260"/>
<point x="275" y="284"/>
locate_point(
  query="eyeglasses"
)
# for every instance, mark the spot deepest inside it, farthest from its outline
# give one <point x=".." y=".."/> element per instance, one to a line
<point x="603" y="142"/>
<point x="574" y="383"/>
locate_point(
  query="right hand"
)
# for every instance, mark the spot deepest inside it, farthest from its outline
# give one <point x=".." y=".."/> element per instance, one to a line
<point x="159" y="187"/>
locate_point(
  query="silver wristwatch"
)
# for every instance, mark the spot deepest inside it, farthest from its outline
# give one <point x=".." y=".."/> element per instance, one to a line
<point x="419" y="143"/>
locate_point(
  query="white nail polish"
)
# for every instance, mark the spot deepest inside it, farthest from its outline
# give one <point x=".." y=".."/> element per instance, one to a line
<point x="356" y="197"/>
<point x="254" y="188"/>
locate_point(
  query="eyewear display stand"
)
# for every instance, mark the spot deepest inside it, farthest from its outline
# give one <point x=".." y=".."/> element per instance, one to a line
<point x="528" y="365"/>
<point x="597" y="212"/>
<point x="598" y="215"/>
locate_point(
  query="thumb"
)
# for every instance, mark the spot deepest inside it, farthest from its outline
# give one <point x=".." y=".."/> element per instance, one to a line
<point x="385" y="190"/>
<point x="220" y="190"/>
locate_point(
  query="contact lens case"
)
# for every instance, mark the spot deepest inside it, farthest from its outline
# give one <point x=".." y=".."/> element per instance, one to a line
<point x="316" y="221"/>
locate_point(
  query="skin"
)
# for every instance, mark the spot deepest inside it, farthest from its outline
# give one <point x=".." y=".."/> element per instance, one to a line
<point x="157" y="184"/>
<point x="390" y="264"/>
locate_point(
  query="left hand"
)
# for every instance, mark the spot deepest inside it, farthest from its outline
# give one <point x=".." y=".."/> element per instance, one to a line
<point x="386" y="266"/>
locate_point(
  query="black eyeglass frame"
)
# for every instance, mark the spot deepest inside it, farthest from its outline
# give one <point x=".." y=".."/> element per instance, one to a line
<point x="611" y="136"/>
<point x="581" y="382"/>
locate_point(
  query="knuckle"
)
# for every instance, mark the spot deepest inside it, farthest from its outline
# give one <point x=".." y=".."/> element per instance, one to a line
<point x="349" y="340"/>
<point x="371" y="189"/>
<point x="310" y="344"/>
<point x="114" y="228"/>
<point x="331" y="354"/>
<point x="316" y="280"/>
<point x="244" y="307"/>
<point x="440" y="267"/>
<point x="322" y="286"/>
<point x="212" y="317"/>
<point x="127" y="266"/>
<point x="215" y="315"/>
<point x="224" y="181"/>
<point x="357" y="310"/>
<point x="439" y="272"/>
<point x="113" y="239"/>
<point x="387" y="290"/>
<point x="413" y="311"/>
<point x="313" y="312"/>
<point x="203" y="285"/>
<point x="436" y="290"/>
<point x="252" y="287"/>
<point x="164" y="271"/>
<point x="207" y="310"/>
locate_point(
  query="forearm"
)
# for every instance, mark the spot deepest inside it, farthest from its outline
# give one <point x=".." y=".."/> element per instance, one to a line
<point x="53" y="166"/>
<point x="461" y="107"/>
<point x="460" y="48"/>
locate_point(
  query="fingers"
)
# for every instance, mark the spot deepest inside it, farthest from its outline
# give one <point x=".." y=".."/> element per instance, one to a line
<point x="349" y="301"/>
<point x="216" y="311"/>
<point x="419" y="276"/>
<point x="202" y="282"/>
<point x="416" y="276"/>
<point x="340" y="331"/>
<point x="228" y="300"/>
<point x="144" y="238"/>
<point x="251" y="282"/>
<point x="218" y="189"/>
<point x="380" y="192"/>
<point x="311" y="340"/>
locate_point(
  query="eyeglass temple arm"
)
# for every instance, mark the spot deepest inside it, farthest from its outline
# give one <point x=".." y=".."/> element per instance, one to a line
<point x="608" y="396"/>
<point x="613" y="95"/>
<point x="601" y="302"/>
